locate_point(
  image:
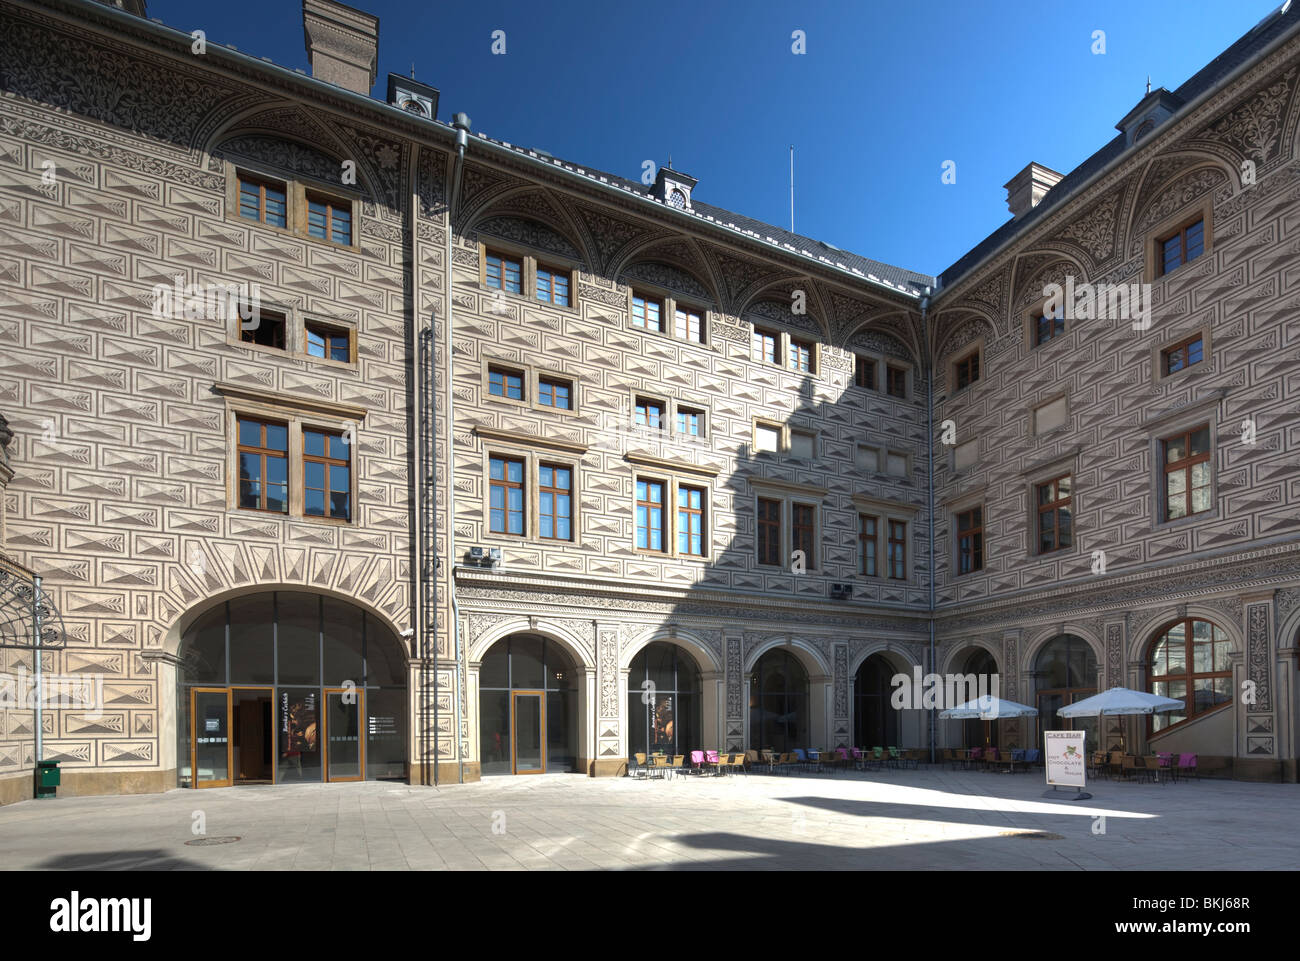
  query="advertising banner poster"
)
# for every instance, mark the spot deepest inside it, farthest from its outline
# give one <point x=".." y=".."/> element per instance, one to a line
<point x="1065" y="758"/>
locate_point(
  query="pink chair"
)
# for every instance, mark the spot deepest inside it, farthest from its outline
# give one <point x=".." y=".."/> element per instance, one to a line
<point x="697" y="761"/>
<point x="1187" y="765"/>
<point x="711" y="757"/>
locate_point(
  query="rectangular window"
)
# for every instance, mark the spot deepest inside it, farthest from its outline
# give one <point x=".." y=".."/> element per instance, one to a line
<point x="329" y="343"/>
<point x="649" y="515"/>
<point x="688" y="324"/>
<point x="801" y="356"/>
<point x="647" y="313"/>
<point x="1183" y="355"/>
<point x="506" y="495"/>
<point x="553" y="286"/>
<point x="769" y="532"/>
<point x="1054" y="526"/>
<point x="329" y="219"/>
<point x="1045" y="328"/>
<point x="262" y="200"/>
<point x="803" y="444"/>
<point x="766" y="349"/>
<point x="504" y="382"/>
<point x="803" y="530"/>
<point x="966" y="371"/>
<point x="263" y="451"/>
<point x="867" y="545"/>
<point x="690" y="521"/>
<point x="970" y="540"/>
<point x="767" y="438"/>
<point x="896" y="381"/>
<point x="554" y="502"/>
<point x="895" y="464"/>
<point x="266" y="327"/>
<point x="554" y="393"/>
<point x="690" y="421"/>
<point x="1187" y="473"/>
<point x="1051" y="416"/>
<point x="864" y="373"/>
<point x="326" y="474"/>
<point x="648" y="413"/>
<point x="898" y="550"/>
<point x="867" y="459"/>
<point x="504" y="273"/>
<point x="1187" y="243"/>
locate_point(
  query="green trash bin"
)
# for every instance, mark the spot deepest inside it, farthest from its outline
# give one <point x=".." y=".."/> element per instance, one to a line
<point x="47" y="778"/>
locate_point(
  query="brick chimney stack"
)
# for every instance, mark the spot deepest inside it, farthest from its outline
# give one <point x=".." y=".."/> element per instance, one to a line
<point x="342" y="44"/>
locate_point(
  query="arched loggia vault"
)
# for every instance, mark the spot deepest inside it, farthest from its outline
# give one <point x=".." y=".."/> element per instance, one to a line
<point x="821" y="680"/>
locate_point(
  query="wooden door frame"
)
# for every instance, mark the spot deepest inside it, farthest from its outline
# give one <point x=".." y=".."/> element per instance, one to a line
<point x="275" y="756"/>
<point x="514" y="735"/>
<point x="361" y="731"/>
<point x="194" y="742"/>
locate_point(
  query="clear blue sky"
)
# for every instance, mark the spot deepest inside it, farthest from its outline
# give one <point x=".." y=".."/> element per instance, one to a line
<point x="885" y="93"/>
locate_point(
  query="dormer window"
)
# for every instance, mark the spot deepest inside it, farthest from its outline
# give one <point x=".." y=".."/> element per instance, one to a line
<point x="677" y="199"/>
<point x="673" y="188"/>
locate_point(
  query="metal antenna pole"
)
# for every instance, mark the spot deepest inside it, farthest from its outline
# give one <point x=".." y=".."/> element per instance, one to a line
<point x="791" y="188"/>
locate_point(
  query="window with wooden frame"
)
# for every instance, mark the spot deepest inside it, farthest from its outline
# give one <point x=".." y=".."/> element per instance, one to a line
<point x="803" y="533"/>
<point x="1184" y="244"/>
<point x="864" y="372"/>
<point x="690" y="421"/>
<point x="263" y="200"/>
<point x="1183" y="355"/>
<point x="970" y="540"/>
<point x="326" y="474"/>
<point x="329" y="218"/>
<point x="1190" y="661"/>
<point x="267" y="328"/>
<point x="1046" y="328"/>
<point x="691" y="528"/>
<point x="1188" y="480"/>
<point x="1055" y="526"/>
<point x="554" y="392"/>
<point x="506" y="495"/>
<point x="328" y="342"/>
<point x="867" y="525"/>
<point x="648" y="413"/>
<point x="801" y="356"/>
<point x="896" y="381"/>
<point x="769" y="532"/>
<point x="506" y="382"/>
<point x="966" y="370"/>
<point x="263" y="451"/>
<point x="766" y="346"/>
<point x="898" y="550"/>
<point x="650" y="515"/>
<point x="688" y="324"/>
<point x="647" y="312"/>
<point x="554" y="502"/>
<point x="504" y="272"/>
<point x="553" y="285"/>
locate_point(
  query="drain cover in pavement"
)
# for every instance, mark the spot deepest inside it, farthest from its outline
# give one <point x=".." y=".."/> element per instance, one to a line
<point x="204" y="842"/>
<point x="1034" y="835"/>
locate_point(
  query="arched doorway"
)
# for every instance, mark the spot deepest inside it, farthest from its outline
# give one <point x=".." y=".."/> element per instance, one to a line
<point x="286" y="686"/>
<point x="1066" y="670"/>
<point x="778" y="703"/>
<point x="664" y="701"/>
<point x="977" y="733"/>
<point x="875" y="722"/>
<point x="528" y="707"/>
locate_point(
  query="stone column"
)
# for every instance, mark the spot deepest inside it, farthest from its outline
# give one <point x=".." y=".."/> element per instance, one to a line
<point x="610" y="742"/>
<point x="1257" y="756"/>
<point x="734" y="702"/>
<point x="1015" y="733"/>
<point x="840" y="718"/>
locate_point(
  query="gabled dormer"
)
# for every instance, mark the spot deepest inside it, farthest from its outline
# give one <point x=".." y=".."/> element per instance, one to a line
<point x="674" y="188"/>
<point x="1152" y="110"/>
<point x="419" y="98"/>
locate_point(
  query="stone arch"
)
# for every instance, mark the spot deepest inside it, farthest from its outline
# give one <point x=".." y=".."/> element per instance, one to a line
<point x="963" y="332"/>
<point x="541" y="626"/>
<point x="901" y="658"/>
<point x="531" y="207"/>
<point x="1035" y="642"/>
<point x="808" y="656"/>
<point x="693" y="643"/>
<point x="780" y="292"/>
<point x="951" y="662"/>
<point x="1041" y="267"/>
<point x="1140" y="643"/>
<point x="1169" y="184"/>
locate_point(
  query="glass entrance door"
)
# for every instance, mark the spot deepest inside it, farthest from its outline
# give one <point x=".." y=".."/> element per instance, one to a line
<point x="210" y="737"/>
<point x="528" y="727"/>
<point x="344" y="745"/>
<point x="252" y="735"/>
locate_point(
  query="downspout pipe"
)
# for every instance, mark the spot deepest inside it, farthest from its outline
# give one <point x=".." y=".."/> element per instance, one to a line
<point x="929" y="416"/>
<point x="462" y="124"/>
<point x="36" y="644"/>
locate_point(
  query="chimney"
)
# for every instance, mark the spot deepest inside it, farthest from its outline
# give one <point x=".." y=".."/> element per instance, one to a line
<point x="1028" y="187"/>
<point x="342" y="44"/>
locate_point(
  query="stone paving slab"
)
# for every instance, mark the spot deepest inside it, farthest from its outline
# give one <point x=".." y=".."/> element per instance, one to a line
<point x="928" y="819"/>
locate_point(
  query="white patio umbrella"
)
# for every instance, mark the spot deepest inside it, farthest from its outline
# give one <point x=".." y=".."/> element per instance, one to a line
<point x="986" y="707"/>
<point x="1119" y="701"/>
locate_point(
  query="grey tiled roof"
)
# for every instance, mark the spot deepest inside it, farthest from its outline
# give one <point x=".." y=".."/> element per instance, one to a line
<point x="1245" y="49"/>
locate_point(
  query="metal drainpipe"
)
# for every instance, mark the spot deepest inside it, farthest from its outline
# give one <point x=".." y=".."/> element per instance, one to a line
<point x="461" y="123"/>
<point x="929" y="415"/>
